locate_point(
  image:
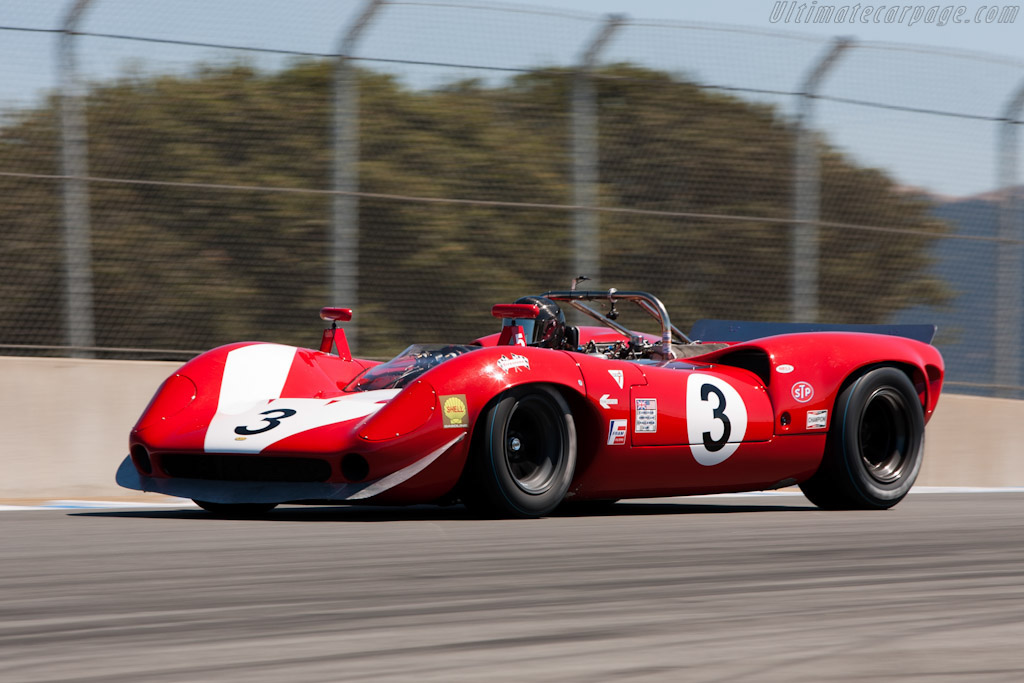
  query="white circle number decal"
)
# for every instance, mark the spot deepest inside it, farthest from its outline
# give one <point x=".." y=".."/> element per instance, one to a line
<point x="716" y="418"/>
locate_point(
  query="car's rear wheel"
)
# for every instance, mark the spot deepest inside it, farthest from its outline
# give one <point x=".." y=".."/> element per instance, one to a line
<point x="235" y="509"/>
<point x="524" y="455"/>
<point x="875" y="444"/>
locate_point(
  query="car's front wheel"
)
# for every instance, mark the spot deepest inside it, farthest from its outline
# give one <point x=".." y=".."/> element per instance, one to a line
<point x="524" y="455"/>
<point x="875" y="444"/>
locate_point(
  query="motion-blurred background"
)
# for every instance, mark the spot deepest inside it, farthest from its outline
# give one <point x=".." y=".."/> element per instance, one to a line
<point x="174" y="176"/>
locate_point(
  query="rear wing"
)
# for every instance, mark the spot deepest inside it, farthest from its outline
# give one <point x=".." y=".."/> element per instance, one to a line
<point x="745" y="330"/>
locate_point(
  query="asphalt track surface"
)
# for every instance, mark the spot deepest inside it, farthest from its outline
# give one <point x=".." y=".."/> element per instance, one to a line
<point x="711" y="589"/>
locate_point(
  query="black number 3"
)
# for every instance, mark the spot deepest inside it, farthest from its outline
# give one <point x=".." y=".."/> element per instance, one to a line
<point x="271" y="420"/>
<point x="719" y="414"/>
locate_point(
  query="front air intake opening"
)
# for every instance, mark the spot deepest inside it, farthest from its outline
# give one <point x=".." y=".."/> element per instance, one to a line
<point x="140" y="457"/>
<point x="354" y="467"/>
<point x="753" y="359"/>
<point x="217" y="467"/>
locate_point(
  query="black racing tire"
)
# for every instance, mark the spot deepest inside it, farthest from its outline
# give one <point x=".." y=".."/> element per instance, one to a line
<point x="235" y="509"/>
<point x="875" y="445"/>
<point x="523" y="455"/>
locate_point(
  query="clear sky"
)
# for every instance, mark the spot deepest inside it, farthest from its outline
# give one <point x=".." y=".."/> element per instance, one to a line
<point x="952" y="153"/>
<point x="1005" y="39"/>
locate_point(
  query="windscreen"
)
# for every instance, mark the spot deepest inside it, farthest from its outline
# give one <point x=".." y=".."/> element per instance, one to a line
<point x="406" y="366"/>
<point x="526" y="323"/>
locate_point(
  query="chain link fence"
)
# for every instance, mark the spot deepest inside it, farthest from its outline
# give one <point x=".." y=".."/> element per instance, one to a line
<point x="181" y="175"/>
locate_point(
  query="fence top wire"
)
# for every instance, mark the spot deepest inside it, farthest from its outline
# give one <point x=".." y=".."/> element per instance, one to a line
<point x="864" y="46"/>
<point x="53" y="11"/>
<point x="971" y="55"/>
<point x="392" y="12"/>
<point x="509" y="8"/>
<point x="659" y="213"/>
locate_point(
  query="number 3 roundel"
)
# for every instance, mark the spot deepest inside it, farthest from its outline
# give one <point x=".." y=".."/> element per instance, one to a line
<point x="716" y="418"/>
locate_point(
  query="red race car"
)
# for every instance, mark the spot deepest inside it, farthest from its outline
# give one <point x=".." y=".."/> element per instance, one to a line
<point x="545" y="413"/>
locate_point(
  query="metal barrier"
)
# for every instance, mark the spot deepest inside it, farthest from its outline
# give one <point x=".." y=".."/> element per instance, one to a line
<point x="419" y="161"/>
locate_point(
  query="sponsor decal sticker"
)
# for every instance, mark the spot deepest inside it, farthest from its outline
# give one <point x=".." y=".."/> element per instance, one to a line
<point x="617" y="376"/>
<point x="817" y="419"/>
<point x="784" y="369"/>
<point x="454" y="411"/>
<point x="803" y="392"/>
<point x="617" y="432"/>
<point x="646" y="415"/>
<point x="516" y="362"/>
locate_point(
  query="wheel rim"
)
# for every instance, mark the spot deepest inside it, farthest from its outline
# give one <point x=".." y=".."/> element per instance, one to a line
<point x="533" y="445"/>
<point x="886" y="435"/>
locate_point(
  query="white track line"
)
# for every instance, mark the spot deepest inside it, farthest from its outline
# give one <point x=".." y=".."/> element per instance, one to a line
<point x="98" y="505"/>
<point x="183" y="502"/>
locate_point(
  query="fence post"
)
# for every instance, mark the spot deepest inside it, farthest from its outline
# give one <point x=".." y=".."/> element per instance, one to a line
<point x="78" y="292"/>
<point x="1010" y="259"/>
<point x="586" y="222"/>
<point x="804" y="265"/>
<point x="345" y="169"/>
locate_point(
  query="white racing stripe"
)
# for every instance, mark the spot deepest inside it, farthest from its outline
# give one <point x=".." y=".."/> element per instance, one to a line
<point x="251" y="415"/>
<point x="98" y="505"/>
<point x="263" y="423"/>
<point x="254" y="373"/>
<point x="403" y="475"/>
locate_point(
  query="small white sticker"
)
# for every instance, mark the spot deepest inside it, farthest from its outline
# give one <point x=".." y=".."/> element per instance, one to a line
<point x="646" y="415"/>
<point x="617" y="432"/>
<point x="617" y="376"/>
<point x="784" y="369"/>
<point x="817" y="419"/>
<point x="516" y="362"/>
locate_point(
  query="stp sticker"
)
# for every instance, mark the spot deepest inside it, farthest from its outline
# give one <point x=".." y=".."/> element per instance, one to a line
<point x="617" y="432"/>
<point x="516" y="362"/>
<point x="454" y="411"/>
<point x="646" y="415"/>
<point x="803" y="392"/>
<point x="817" y="419"/>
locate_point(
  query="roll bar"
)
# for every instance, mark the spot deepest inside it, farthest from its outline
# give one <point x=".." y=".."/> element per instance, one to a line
<point x="648" y="303"/>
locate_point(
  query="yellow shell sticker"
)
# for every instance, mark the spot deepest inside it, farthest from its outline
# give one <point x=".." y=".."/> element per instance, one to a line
<point x="454" y="411"/>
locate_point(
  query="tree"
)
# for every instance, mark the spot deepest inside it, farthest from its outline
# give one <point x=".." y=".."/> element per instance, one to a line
<point x="210" y="218"/>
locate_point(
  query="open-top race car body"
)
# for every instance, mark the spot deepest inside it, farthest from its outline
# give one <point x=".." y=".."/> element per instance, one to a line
<point x="543" y="413"/>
